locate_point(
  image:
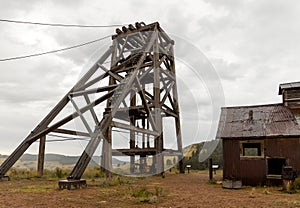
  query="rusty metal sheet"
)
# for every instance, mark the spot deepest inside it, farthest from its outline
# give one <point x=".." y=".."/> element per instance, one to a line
<point x="268" y="120"/>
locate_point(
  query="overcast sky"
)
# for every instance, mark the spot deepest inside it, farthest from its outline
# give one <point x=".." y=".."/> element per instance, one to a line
<point x="245" y="48"/>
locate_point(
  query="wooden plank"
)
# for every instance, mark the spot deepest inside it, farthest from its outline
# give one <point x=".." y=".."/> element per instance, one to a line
<point x="70" y="132"/>
<point x="95" y="90"/>
<point x="143" y="97"/>
<point x="134" y="151"/>
<point x="115" y="76"/>
<point x="171" y="152"/>
<point x="292" y="99"/>
<point x="133" y="128"/>
<point x="92" y="82"/>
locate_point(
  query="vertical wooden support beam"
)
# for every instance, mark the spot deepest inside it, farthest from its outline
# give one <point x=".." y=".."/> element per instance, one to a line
<point x="143" y="164"/>
<point x="109" y="152"/>
<point x="157" y="109"/>
<point x="148" y="136"/>
<point x="179" y="145"/>
<point x="210" y="169"/>
<point x="177" y="119"/>
<point x="106" y="160"/>
<point x="143" y="134"/>
<point x="132" y="133"/>
<point x="41" y="157"/>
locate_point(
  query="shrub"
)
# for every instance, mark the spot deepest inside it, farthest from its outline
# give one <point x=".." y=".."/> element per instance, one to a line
<point x="141" y="192"/>
<point x="93" y="172"/>
<point x="22" y="173"/>
<point x="146" y="196"/>
<point x="212" y="181"/>
<point x="297" y="183"/>
<point x="59" y="172"/>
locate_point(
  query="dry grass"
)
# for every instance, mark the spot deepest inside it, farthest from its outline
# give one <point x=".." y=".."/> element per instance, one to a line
<point x="176" y="190"/>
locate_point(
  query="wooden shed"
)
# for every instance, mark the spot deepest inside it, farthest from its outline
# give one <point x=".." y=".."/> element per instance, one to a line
<point x="259" y="140"/>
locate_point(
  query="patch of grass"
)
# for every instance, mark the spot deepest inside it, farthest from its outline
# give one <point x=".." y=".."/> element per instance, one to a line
<point x="93" y="172"/>
<point x="144" y="195"/>
<point x="266" y="191"/>
<point x="115" y="181"/>
<point x="158" y="191"/>
<point x="35" y="189"/>
<point x="57" y="173"/>
<point x="212" y="181"/>
<point x="252" y="193"/>
<point x="19" y="174"/>
<point x="141" y="192"/>
<point x="287" y="203"/>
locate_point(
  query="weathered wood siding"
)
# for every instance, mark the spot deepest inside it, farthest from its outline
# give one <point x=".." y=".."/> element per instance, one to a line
<point x="231" y="159"/>
<point x="291" y="98"/>
<point x="253" y="171"/>
<point x="288" y="148"/>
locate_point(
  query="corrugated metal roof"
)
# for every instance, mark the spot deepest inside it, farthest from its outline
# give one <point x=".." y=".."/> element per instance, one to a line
<point x="288" y="86"/>
<point x="267" y="120"/>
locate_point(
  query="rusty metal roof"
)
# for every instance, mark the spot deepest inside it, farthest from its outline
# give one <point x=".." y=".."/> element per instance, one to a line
<point x="292" y="85"/>
<point x="257" y="121"/>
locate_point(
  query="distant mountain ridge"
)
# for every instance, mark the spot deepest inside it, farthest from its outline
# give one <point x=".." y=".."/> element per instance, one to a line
<point x="55" y="160"/>
<point x="191" y="157"/>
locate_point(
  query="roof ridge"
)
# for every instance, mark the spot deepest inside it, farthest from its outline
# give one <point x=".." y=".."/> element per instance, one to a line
<point x="253" y="106"/>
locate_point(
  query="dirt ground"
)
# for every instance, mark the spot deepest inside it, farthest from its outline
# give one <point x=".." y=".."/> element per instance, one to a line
<point x="175" y="190"/>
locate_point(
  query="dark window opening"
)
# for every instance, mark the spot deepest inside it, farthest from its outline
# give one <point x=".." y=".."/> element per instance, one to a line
<point x="252" y="149"/>
<point x="275" y="166"/>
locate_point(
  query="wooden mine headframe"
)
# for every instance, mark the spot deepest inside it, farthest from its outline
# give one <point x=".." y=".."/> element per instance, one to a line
<point x="141" y="92"/>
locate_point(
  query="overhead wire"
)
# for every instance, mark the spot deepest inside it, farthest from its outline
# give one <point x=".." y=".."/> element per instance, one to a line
<point x="59" y="24"/>
<point x="56" y="25"/>
<point x="53" y="51"/>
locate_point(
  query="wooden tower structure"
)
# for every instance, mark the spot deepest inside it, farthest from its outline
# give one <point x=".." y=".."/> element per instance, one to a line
<point x="139" y="92"/>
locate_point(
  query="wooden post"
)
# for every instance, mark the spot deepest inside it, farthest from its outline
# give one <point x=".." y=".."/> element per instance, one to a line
<point x="132" y="143"/>
<point x="157" y="110"/>
<point x="106" y="162"/>
<point x="177" y="119"/>
<point x="41" y="157"/>
<point x="210" y="169"/>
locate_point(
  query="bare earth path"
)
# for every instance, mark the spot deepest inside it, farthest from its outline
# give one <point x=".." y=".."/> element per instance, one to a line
<point x="175" y="190"/>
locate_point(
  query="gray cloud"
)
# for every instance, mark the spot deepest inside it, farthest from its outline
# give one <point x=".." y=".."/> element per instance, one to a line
<point x="253" y="46"/>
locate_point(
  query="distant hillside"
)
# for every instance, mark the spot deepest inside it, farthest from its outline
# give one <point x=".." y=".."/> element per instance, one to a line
<point x="191" y="156"/>
<point x="53" y="161"/>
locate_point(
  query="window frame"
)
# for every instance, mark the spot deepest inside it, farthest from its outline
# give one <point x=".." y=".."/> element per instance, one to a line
<point x="253" y="142"/>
